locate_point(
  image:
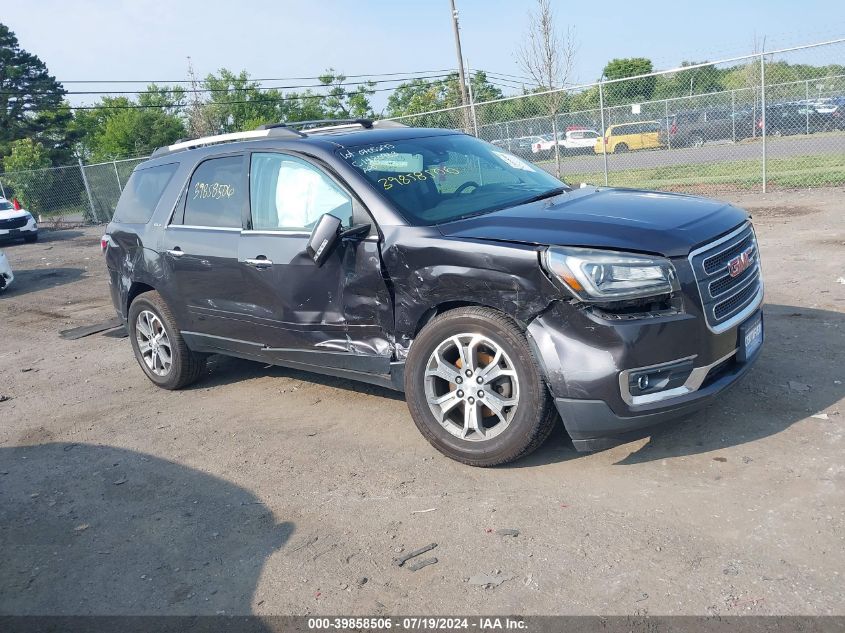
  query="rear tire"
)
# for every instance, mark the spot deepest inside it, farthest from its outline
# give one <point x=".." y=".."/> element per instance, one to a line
<point x="620" y="149"/>
<point x="170" y="364"/>
<point x="511" y="415"/>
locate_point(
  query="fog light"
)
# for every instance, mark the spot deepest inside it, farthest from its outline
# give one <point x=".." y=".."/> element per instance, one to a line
<point x="654" y="379"/>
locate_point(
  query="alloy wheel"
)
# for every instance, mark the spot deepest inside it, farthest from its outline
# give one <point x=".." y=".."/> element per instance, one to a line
<point x="153" y="343"/>
<point x="471" y="387"/>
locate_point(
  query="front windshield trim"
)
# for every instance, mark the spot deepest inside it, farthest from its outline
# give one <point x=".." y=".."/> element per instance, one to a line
<point x="456" y="176"/>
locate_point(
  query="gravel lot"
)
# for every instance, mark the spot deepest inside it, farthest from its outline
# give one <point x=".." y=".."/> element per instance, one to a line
<point x="270" y="491"/>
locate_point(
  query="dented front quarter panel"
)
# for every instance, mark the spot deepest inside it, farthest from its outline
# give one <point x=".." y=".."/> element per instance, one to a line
<point x="429" y="272"/>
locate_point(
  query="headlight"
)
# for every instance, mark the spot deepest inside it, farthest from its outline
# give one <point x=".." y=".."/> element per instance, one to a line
<point x="593" y="275"/>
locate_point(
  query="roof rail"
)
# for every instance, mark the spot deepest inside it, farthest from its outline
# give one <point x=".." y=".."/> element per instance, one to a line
<point x="364" y="123"/>
<point x="263" y="132"/>
<point x="323" y="125"/>
<point x="278" y="130"/>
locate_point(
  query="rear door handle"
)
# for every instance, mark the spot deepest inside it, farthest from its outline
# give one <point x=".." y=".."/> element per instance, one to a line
<point x="176" y="251"/>
<point x="259" y="262"/>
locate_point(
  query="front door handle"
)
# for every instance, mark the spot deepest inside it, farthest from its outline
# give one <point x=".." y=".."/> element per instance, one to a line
<point x="176" y="251"/>
<point x="259" y="262"/>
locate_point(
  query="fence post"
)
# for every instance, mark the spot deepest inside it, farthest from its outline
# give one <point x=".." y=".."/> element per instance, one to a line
<point x="763" y="109"/>
<point x="668" y="131"/>
<point x="733" y="114"/>
<point x="88" y="191"/>
<point x="807" y="105"/>
<point x="2" y="191"/>
<point x="472" y="102"/>
<point x="117" y="175"/>
<point x="603" y="132"/>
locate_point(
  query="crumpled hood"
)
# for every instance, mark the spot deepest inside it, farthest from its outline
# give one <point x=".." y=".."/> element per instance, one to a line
<point x="624" y="219"/>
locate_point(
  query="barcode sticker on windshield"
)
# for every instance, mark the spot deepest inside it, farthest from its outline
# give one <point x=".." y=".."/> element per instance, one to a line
<point x="513" y="161"/>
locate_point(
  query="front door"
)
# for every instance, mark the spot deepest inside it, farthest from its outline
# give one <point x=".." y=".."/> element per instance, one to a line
<point x="338" y="314"/>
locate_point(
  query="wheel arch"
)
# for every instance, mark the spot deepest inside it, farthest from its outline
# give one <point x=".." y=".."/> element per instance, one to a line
<point x="446" y="306"/>
<point x="135" y="289"/>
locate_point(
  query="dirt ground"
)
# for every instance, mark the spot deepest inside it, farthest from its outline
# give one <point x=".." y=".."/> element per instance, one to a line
<point x="269" y="491"/>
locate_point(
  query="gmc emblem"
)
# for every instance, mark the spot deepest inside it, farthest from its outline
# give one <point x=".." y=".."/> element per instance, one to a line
<point x="739" y="263"/>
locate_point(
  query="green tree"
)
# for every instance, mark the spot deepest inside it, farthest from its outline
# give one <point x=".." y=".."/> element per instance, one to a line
<point x="119" y="127"/>
<point x="341" y="103"/>
<point x="694" y="81"/>
<point x="235" y="103"/>
<point x="31" y="102"/>
<point x="633" y="90"/>
<point x="26" y="174"/>
<point x="418" y="95"/>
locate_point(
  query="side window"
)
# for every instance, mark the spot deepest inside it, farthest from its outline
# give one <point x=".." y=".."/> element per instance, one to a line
<point x="215" y="195"/>
<point x="287" y="193"/>
<point x="142" y="193"/>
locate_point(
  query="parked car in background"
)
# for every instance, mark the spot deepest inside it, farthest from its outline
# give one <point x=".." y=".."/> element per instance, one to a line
<point x="571" y="142"/>
<point x="624" y="137"/>
<point x="694" y="128"/>
<point x="521" y="145"/>
<point x="785" y="119"/>
<point x="424" y="260"/>
<point x="16" y="223"/>
<point x="6" y="276"/>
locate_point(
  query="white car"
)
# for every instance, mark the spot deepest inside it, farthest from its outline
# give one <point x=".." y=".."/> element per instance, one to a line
<point x="6" y="276"/>
<point x="16" y="223"/>
<point x="571" y="142"/>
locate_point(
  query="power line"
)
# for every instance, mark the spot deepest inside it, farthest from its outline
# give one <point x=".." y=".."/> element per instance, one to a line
<point x="138" y="106"/>
<point x="187" y="81"/>
<point x="520" y="77"/>
<point x="227" y="89"/>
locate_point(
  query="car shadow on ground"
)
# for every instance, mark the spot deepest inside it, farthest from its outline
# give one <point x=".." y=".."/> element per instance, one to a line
<point x="762" y="404"/>
<point x="100" y="530"/>
<point x="28" y="281"/>
<point x="44" y="236"/>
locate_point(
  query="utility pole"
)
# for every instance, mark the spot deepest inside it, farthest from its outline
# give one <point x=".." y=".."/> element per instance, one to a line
<point x="457" y="31"/>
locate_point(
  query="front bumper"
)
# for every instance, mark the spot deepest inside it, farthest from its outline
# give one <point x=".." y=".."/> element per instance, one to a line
<point x="586" y="359"/>
<point x="29" y="229"/>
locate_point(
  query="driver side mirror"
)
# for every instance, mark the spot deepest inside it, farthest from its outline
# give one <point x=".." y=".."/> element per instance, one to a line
<point x="324" y="237"/>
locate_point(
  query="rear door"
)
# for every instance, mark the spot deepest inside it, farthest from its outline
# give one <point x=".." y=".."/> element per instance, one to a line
<point x="338" y="314"/>
<point x="200" y="247"/>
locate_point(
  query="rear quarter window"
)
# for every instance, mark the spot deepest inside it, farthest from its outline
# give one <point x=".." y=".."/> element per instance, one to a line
<point x="142" y="193"/>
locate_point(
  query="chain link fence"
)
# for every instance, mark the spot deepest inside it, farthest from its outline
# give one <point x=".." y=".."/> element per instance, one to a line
<point x="766" y="120"/>
<point x="76" y="193"/>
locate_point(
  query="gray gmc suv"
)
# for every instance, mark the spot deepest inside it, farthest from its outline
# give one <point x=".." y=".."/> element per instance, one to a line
<point x="428" y="261"/>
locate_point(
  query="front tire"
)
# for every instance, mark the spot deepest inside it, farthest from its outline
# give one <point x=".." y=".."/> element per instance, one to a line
<point x="159" y="347"/>
<point x="474" y="389"/>
<point x="29" y="239"/>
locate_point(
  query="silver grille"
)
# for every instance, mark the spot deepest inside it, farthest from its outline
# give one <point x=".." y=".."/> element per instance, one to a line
<point x="728" y="299"/>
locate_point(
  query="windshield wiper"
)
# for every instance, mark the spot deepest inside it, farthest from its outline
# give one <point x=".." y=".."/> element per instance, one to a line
<point x="546" y="194"/>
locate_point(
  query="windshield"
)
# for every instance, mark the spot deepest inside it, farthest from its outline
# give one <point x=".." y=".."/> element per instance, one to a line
<point x="6" y="206"/>
<point x="438" y="179"/>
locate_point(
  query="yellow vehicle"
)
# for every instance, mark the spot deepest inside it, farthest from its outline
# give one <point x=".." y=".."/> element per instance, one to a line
<point x="624" y="137"/>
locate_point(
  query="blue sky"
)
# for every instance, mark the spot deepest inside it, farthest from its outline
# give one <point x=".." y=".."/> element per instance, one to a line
<point x="151" y="39"/>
